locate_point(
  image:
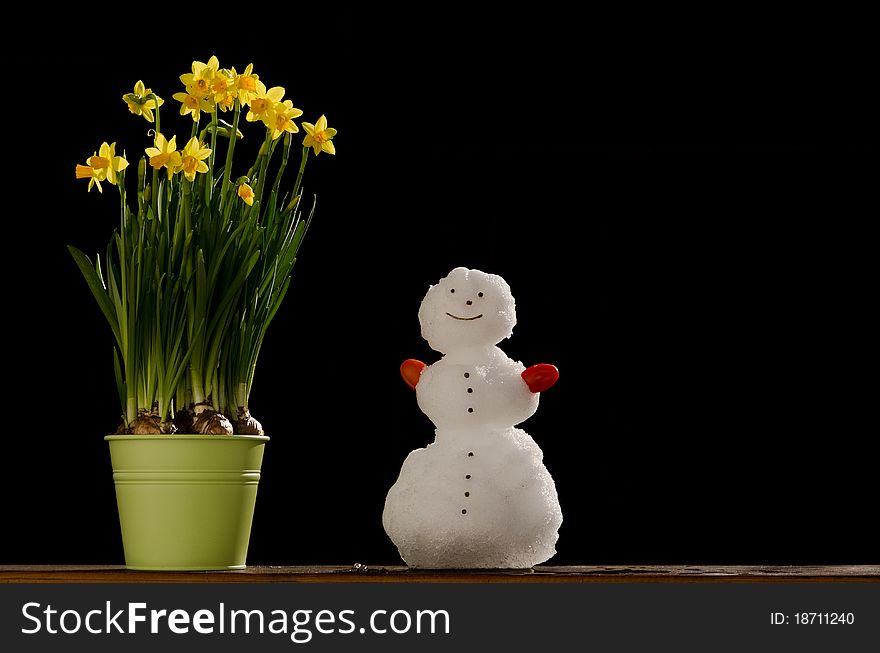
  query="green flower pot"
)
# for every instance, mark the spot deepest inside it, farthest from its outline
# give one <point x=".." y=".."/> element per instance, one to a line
<point x="186" y="502"/>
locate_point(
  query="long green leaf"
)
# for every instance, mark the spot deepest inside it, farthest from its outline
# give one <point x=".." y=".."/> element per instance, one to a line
<point x="96" y="285"/>
<point x="120" y="382"/>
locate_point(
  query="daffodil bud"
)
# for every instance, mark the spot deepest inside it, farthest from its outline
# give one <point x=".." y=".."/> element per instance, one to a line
<point x="228" y="131"/>
<point x="148" y="193"/>
<point x="142" y="171"/>
<point x="225" y="131"/>
<point x="292" y="204"/>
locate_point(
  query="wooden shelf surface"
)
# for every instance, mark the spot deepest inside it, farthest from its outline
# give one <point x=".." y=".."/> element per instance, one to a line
<point x="359" y="573"/>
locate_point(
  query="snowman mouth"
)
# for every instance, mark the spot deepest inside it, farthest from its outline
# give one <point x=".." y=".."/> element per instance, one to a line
<point x="475" y="317"/>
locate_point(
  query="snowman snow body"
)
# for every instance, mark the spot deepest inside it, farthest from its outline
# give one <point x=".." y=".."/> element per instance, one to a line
<point x="479" y="496"/>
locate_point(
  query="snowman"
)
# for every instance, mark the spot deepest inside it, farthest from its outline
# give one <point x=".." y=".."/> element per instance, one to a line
<point x="479" y="496"/>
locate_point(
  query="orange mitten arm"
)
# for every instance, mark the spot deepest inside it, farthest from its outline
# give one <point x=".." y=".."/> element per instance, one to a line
<point x="540" y="377"/>
<point x="411" y="370"/>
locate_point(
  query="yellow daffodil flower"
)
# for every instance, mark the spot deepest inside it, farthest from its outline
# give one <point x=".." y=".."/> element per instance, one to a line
<point x="193" y="104"/>
<point x="94" y="175"/>
<point x="246" y="84"/>
<point x="107" y="161"/>
<point x="165" y="154"/>
<point x="246" y="193"/>
<point x="138" y="102"/>
<point x="263" y="102"/>
<point x="198" y="82"/>
<point x="283" y="114"/>
<point x="222" y="84"/>
<point x="103" y="165"/>
<point x="227" y="102"/>
<point x="192" y="158"/>
<point x="319" y="137"/>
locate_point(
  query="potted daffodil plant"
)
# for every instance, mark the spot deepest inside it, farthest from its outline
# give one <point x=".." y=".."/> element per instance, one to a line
<point x="193" y="275"/>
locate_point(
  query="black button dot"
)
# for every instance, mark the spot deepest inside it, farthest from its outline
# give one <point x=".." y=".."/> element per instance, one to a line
<point x="467" y="494"/>
<point x="469" y="302"/>
<point x="467" y="375"/>
<point x="470" y="410"/>
<point x="464" y="512"/>
<point x="452" y="290"/>
<point x="470" y="389"/>
<point x="470" y="454"/>
<point x="479" y="294"/>
<point x="467" y="475"/>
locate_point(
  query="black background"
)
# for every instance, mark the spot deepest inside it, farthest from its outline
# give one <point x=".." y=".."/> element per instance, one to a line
<point x="681" y="202"/>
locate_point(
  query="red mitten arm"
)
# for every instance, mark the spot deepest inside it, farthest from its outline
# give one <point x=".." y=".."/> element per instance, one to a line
<point x="411" y="370"/>
<point x="540" y="377"/>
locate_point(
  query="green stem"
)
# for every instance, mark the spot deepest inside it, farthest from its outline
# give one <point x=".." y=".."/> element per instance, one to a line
<point x="241" y="395"/>
<point x="302" y="169"/>
<point x="285" y="154"/>
<point x="209" y="184"/>
<point x="198" y="392"/>
<point x="128" y="362"/>
<point x="198" y="395"/>
<point x="155" y="194"/>
<point x="227" y="169"/>
<point x="187" y="210"/>
<point x="130" y="410"/>
<point x="179" y="399"/>
<point x="263" y="161"/>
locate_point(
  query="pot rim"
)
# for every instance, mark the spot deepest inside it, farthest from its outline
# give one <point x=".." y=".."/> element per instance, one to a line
<point x="174" y="436"/>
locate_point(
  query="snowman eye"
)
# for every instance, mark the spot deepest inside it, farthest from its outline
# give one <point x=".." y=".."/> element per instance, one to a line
<point x="479" y="294"/>
<point x="452" y="290"/>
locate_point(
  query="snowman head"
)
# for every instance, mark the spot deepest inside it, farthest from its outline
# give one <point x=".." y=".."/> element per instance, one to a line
<point x="467" y="308"/>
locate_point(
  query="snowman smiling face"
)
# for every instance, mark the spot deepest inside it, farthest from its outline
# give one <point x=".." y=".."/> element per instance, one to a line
<point x="456" y="317"/>
<point x="467" y="308"/>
